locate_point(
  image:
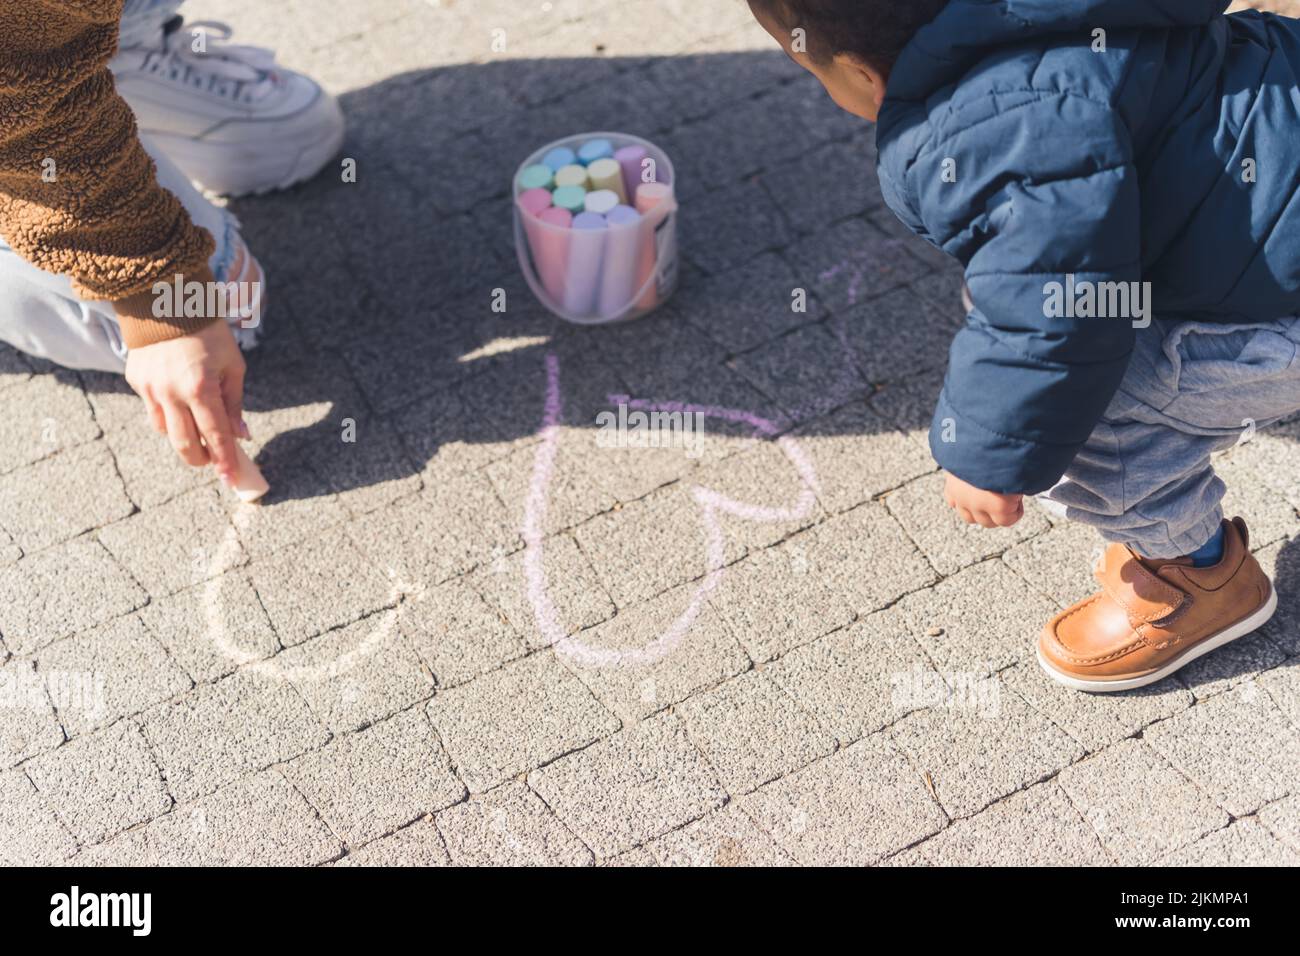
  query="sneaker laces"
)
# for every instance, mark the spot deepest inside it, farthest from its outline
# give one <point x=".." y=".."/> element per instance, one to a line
<point x="233" y="71"/>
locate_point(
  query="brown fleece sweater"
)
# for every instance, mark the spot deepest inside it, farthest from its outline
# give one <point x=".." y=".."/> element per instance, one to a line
<point x="101" y="218"/>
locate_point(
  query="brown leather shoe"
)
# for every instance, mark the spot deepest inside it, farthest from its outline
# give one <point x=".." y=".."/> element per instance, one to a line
<point x="1152" y="617"/>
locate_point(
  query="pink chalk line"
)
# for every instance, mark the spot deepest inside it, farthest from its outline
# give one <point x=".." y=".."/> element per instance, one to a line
<point x="710" y="502"/>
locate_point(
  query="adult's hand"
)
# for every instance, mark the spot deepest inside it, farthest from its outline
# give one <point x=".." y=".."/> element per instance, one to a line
<point x="193" y="389"/>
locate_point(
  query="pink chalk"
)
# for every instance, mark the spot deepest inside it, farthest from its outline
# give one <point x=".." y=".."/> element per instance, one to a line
<point x="649" y="196"/>
<point x="250" y="485"/>
<point x="533" y="201"/>
<point x="551" y="251"/>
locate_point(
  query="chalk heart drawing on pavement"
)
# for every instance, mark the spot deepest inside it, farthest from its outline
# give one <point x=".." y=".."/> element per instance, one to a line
<point x="711" y="505"/>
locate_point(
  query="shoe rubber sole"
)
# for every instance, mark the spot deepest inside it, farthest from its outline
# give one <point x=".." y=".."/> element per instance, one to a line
<point x="194" y="155"/>
<point x="1243" y="627"/>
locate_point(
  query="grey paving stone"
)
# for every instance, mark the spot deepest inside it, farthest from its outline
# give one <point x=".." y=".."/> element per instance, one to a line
<point x="516" y="718"/>
<point x="66" y="589"/>
<point x="14" y="367"/>
<point x="510" y="826"/>
<point x="982" y="744"/>
<point x="725" y="837"/>
<point x="457" y="633"/>
<point x="41" y="416"/>
<point x="572" y="495"/>
<point x="212" y="628"/>
<point x="1243" y="843"/>
<point x="807" y="373"/>
<point x="577" y="598"/>
<point x="947" y="541"/>
<point x="774" y="600"/>
<point x="322" y="584"/>
<point x="30" y="832"/>
<point x="420" y="844"/>
<point x="1140" y="807"/>
<point x="369" y="784"/>
<point x="864" y="556"/>
<point x="845" y="185"/>
<point x="1059" y="563"/>
<point x="853" y="808"/>
<point x="748" y="223"/>
<point x="445" y="530"/>
<point x="748" y="306"/>
<point x="1034" y="827"/>
<point x="1238" y="747"/>
<point x="358" y="674"/>
<point x="28" y="725"/>
<point x="1281" y="562"/>
<point x="861" y="679"/>
<point x="978" y="621"/>
<point x="1242" y="660"/>
<point x="258" y="821"/>
<point x="639" y="857"/>
<point x="442" y="435"/>
<point x="9" y="551"/>
<point x="627" y="789"/>
<point x="1283" y="685"/>
<point x="113" y="671"/>
<point x="1283" y="820"/>
<point x="654" y="654"/>
<point x="1096" y="720"/>
<point x="909" y="404"/>
<point x="45" y="503"/>
<point x="368" y="472"/>
<point x="857" y="455"/>
<point x="1271" y="517"/>
<point x="898" y="335"/>
<point x="167" y="548"/>
<point x="149" y="468"/>
<point x="647" y="547"/>
<point x="102" y="783"/>
<point x="752" y="732"/>
<point x="851" y="263"/>
<point x="299" y="507"/>
<point x="220" y="732"/>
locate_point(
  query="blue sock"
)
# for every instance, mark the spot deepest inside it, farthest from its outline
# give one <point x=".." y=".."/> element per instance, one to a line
<point x="1210" y="553"/>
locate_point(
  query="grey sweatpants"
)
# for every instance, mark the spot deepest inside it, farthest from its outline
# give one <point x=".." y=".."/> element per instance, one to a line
<point x="1144" y="477"/>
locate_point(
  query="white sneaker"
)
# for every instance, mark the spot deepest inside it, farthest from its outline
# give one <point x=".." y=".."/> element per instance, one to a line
<point x="227" y="115"/>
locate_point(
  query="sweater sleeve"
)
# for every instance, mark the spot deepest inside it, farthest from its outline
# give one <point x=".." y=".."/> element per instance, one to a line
<point x="79" y="196"/>
<point x="1046" y="202"/>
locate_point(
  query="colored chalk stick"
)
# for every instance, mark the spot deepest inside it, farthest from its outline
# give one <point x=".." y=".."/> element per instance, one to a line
<point x="536" y="177"/>
<point x="608" y="174"/>
<point x="619" y="270"/>
<point x="551" y="254"/>
<point x="559" y="157"/>
<point x="593" y="150"/>
<point x="629" y="159"/>
<point x="649" y="196"/>
<point x="249" y="483"/>
<point x="601" y="201"/>
<point x="571" y="176"/>
<point x="533" y="201"/>
<point x="586" y="252"/>
<point x="572" y="198"/>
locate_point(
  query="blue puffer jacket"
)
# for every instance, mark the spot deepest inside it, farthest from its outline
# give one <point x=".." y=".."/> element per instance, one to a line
<point x="1164" y="149"/>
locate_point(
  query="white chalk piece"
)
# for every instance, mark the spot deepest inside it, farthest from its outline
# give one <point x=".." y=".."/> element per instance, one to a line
<point x="600" y="202"/>
<point x="608" y="174"/>
<point x="586" y="252"/>
<point x="622" y="255"/>
<point x="250" y="485"/>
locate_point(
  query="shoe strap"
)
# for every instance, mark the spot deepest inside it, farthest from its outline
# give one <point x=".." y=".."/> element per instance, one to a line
<point x="1130" y="584"/>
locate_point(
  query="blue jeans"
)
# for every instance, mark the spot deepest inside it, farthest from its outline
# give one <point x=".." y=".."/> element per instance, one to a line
<point x="1145" y="477"/>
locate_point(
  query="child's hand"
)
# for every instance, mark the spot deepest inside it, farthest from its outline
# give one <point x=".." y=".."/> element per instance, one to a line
<point x="988" y="509"/>
<point x="193" y="388"/>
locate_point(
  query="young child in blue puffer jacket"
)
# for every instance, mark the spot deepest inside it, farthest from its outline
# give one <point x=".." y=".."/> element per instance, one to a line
<point x="1120" y="180"/>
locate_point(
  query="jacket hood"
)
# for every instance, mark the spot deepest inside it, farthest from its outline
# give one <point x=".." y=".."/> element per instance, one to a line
<point x="965" y="30"/>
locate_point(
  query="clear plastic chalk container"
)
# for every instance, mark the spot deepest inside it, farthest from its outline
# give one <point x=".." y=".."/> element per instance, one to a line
<point x="596" y="227"/>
